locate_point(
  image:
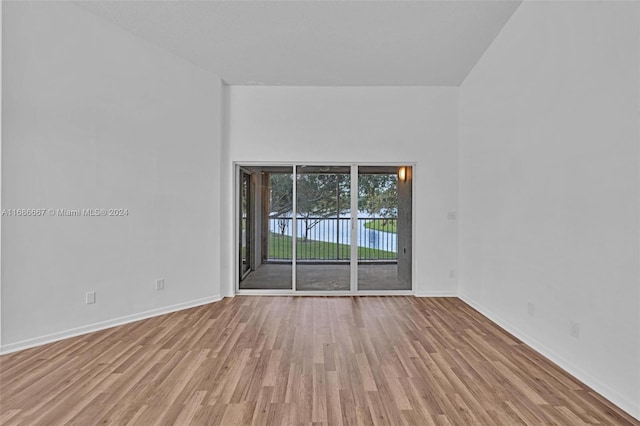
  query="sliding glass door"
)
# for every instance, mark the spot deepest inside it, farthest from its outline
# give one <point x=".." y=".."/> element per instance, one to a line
<point x="325" y="228"/>
<point x="384" y="228"/>
<point x="266" y="228"/>
<point x="323" y="219"/>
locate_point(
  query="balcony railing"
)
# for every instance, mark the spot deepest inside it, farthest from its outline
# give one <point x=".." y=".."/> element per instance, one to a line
<point x="329" y="239"/>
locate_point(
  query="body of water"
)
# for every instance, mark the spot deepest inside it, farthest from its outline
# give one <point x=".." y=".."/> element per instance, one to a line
<point x="338" y="231"/>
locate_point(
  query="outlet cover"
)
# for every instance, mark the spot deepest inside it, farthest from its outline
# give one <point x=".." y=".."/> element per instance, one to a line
<point x="90" y="297"/>
<point x="160" y="284"/>
<point x="531" y="309"/>
<point x="574" y="329"/>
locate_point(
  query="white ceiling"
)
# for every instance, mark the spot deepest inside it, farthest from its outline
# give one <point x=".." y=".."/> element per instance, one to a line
<point x="319" y="43"/>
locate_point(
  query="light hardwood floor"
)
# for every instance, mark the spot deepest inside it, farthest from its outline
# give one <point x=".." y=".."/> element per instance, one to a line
<point x="298" y="360"/>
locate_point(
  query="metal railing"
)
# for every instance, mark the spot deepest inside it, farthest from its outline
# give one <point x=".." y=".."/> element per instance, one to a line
<point x="329" y="239"/>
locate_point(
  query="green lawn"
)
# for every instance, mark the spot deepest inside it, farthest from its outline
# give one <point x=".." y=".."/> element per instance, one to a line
<point x="381" y="225"/>
<point x="280" y="248"/>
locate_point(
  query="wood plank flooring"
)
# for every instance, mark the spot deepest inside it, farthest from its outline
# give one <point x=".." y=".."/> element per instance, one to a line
<point x="298" y="360"/>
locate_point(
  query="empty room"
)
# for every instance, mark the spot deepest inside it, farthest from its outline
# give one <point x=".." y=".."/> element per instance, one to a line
<point x="320" y="212"/>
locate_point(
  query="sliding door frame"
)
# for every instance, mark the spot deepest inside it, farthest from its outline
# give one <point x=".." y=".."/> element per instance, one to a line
<point x="249" y="255"/>
<point x="294" y="229"/>
<point x="354" y="229"/>
<point x="354" y="234"/>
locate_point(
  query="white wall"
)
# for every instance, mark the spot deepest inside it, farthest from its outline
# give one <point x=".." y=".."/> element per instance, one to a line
<point x="97" y="118"/>
<point x="1" y="7"/>
<point x="549" y="188"/>
<point x="357" y="124"/>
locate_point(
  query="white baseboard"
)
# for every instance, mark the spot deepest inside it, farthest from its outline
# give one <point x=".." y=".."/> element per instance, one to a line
<point x="90" y="328"/>
<point x="305" y="293"/>
<point x="624" y="403"/>
<point x="437" y="293"/>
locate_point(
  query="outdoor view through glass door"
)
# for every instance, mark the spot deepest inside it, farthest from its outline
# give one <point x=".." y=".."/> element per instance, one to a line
<point x="323" y="211"/>
<point x="384" y="228"/>
<point x="272" y="207"/>
<point x="341" y="243"/>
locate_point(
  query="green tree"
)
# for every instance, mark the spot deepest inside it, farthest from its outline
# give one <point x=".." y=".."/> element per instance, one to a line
<point x="378" y="194"/>
<point x="281" y="185"/>
<point x="320" y="196"/>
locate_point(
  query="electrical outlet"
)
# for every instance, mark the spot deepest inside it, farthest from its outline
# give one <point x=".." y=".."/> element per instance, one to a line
<point x="452" y="216"/>
<point x="574" y="329"/>
<point x="452" y="273"/>
<point x="90" y="297"/>
<point x="160" y="284"/>
<point x="531" y="309"/>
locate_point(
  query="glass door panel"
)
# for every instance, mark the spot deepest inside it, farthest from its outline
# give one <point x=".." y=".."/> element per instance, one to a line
<point x="384" y="227"/>
<point x="245" y="223"/>
<point x="268" y="231"/>
<point x="323" y="227"/>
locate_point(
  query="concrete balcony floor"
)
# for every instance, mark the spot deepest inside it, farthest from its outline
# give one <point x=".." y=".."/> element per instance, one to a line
<point x="324" y="277"/>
